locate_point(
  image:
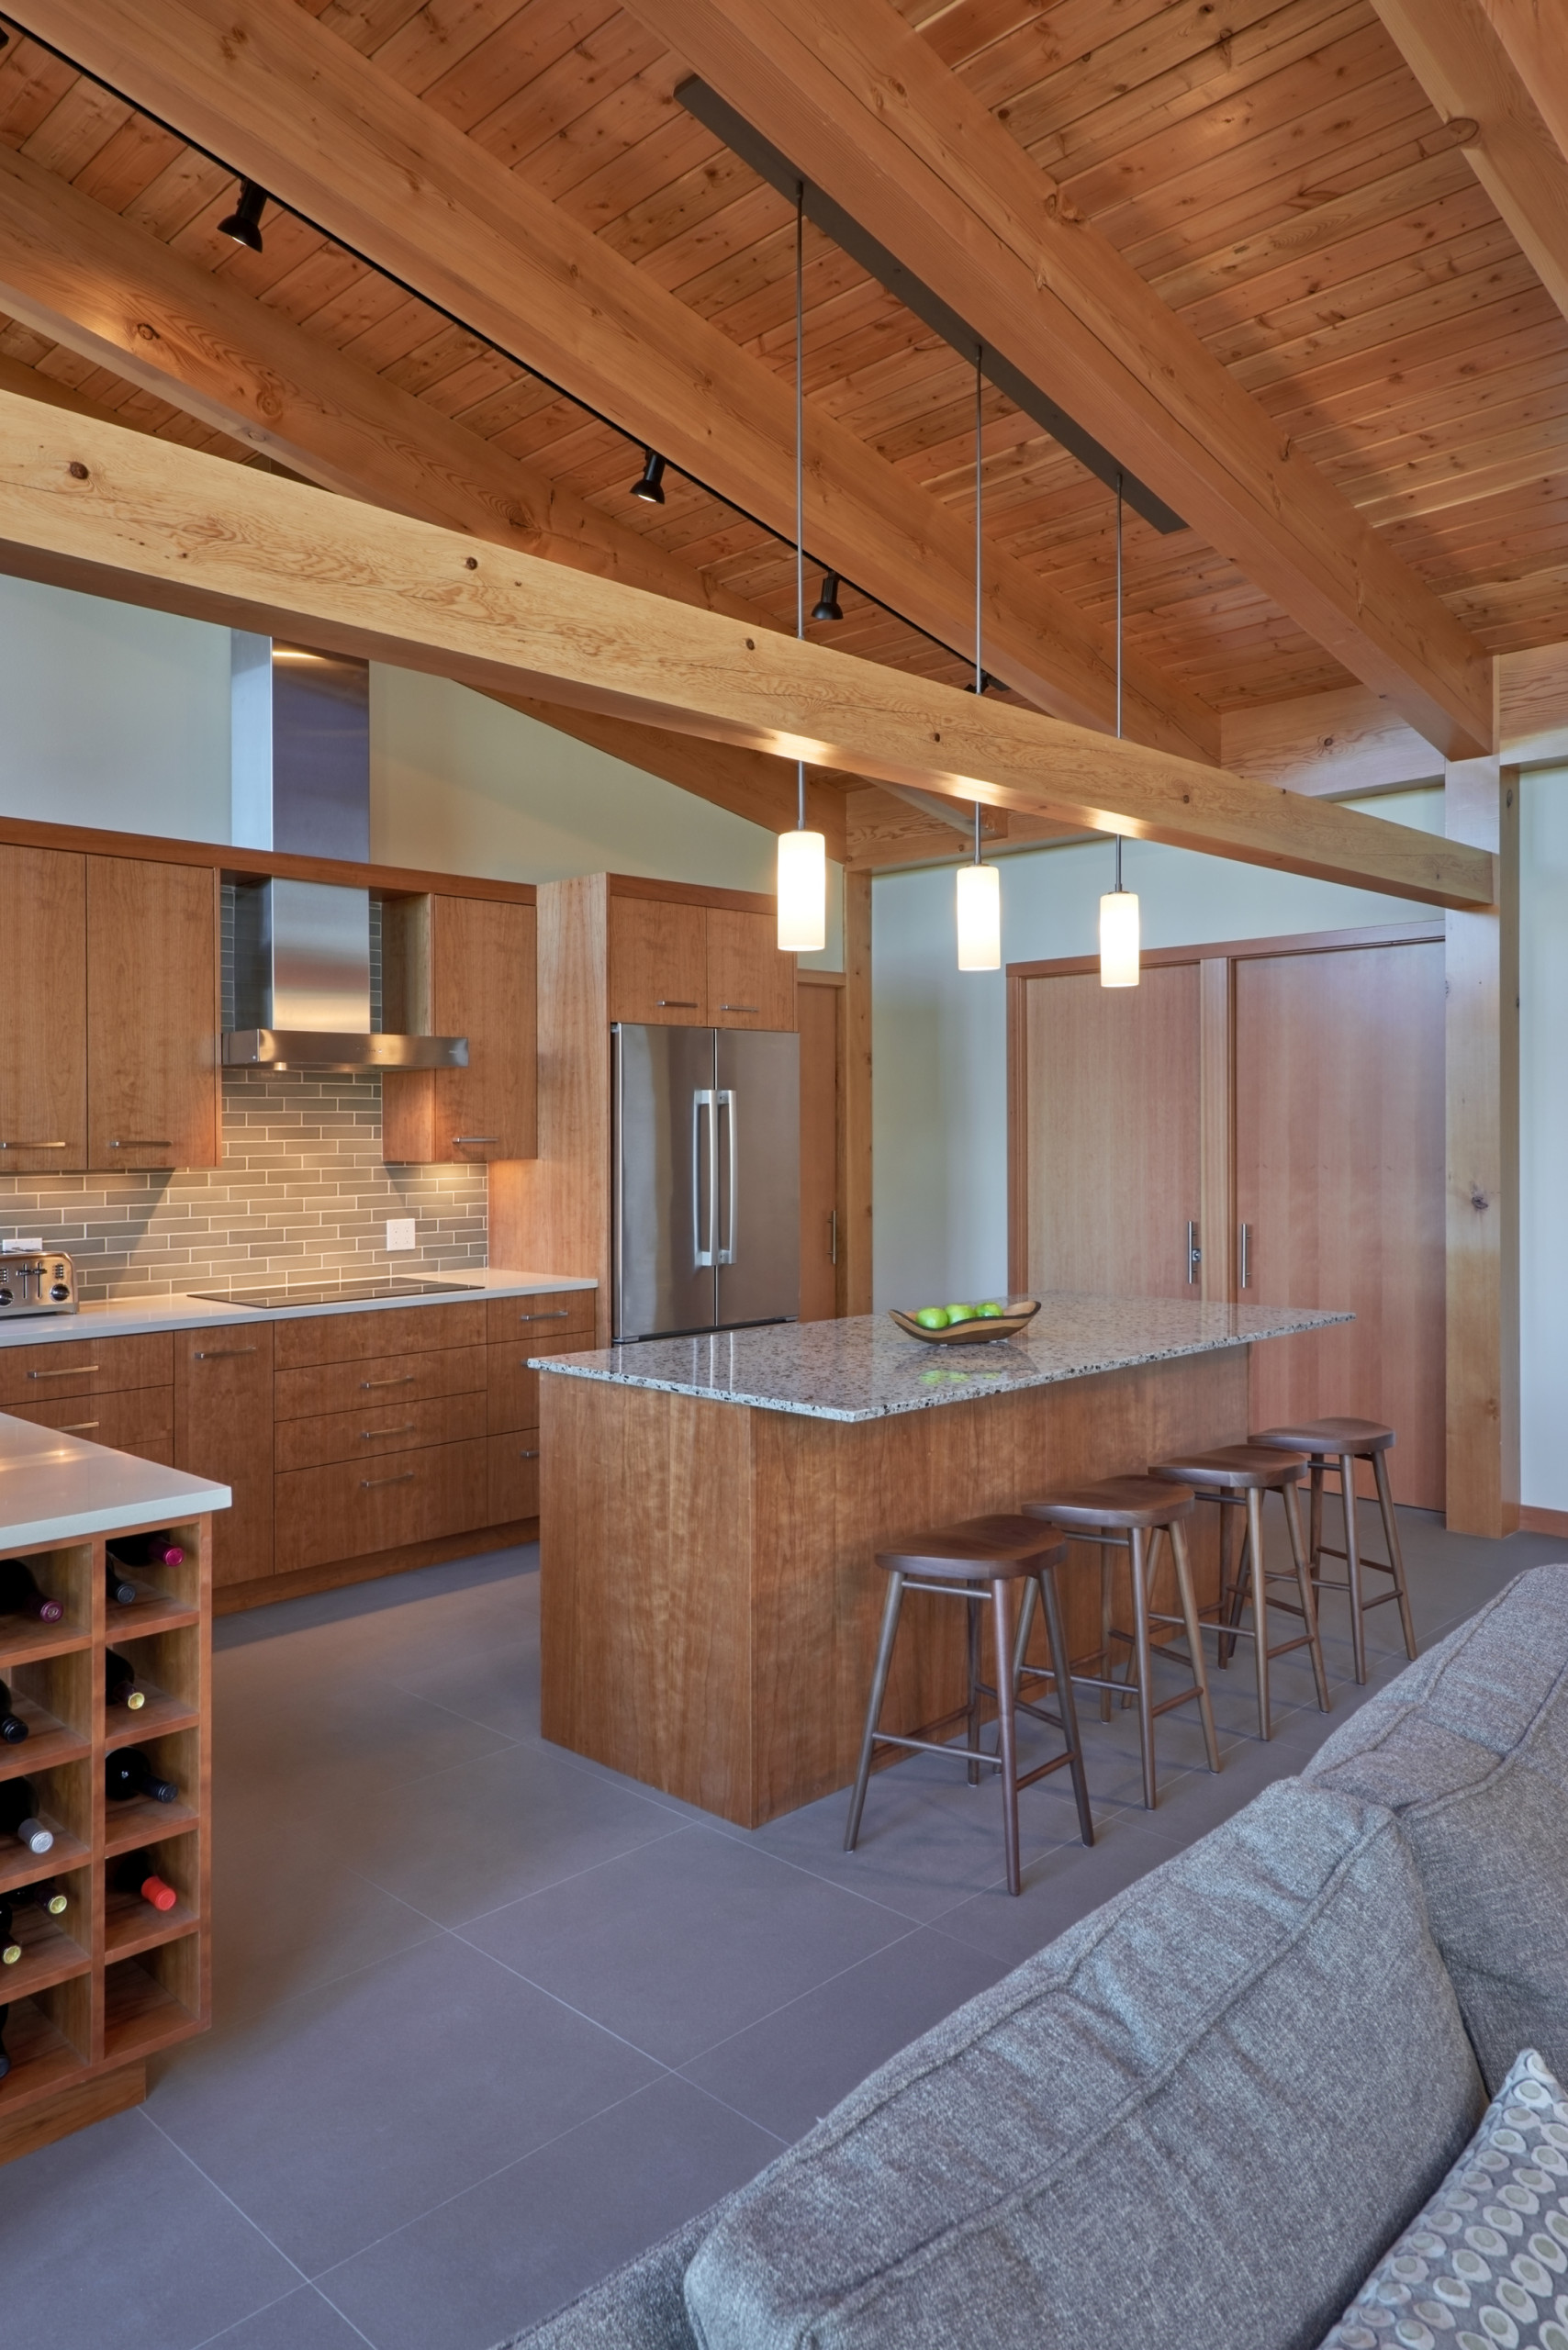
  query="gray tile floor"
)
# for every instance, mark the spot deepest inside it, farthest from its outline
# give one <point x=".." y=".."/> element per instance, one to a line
<point x="489" y="2018"/>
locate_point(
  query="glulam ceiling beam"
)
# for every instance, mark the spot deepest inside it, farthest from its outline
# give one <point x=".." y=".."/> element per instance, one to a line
<point x="864" y="108"/>
<point x="88" y="506"/>
<point x="1503" y="64"/>
<point x="288" y="102"/>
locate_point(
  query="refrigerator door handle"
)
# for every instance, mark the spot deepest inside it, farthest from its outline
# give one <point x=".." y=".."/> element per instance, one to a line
<point x="702" y="1242"/>
<point x="726" y="1101"/>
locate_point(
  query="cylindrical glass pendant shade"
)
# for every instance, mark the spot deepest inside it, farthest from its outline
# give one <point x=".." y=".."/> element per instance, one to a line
<point x="980" y="917"/>
<point x="1118" y="939"/>
<point x="802" y="893"/>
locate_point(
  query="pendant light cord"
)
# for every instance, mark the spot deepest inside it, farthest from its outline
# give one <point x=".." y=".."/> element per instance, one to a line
<point x="1118" y="646"/>
<point x="979" y="670"/>
<point x="799" y="464"/>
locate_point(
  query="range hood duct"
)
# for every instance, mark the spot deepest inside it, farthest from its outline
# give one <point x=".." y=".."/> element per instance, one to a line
<point x="300" y="782"/>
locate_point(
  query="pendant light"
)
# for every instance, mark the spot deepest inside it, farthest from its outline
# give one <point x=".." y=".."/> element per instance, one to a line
<point x="1118" y="906"/>
<point x="802" y="856"/>
<point x="978" y="891"/>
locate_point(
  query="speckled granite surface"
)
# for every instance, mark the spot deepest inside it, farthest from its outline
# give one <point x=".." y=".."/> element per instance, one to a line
<point x="865" y="1368"/>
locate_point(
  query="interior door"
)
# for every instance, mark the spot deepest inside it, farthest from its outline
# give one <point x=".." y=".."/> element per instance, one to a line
<point x="1112" y="1167"/>
<point x="820" y="1009"/>
<point x="757" y="1106"/>
<point x="667" y="1147"/>
<point x="1340" y="1172"/>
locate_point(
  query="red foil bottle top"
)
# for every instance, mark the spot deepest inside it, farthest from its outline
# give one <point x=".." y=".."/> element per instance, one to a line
<point x="162" y="1895"/>
<point x="49" y="1611"/>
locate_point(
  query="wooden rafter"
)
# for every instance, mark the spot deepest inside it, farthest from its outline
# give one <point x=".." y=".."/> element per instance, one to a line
<point x="292" y="104"/>
<point x="1503" y="65"/>
<point x="864" y="108"/>
<point x="88" y="506"/>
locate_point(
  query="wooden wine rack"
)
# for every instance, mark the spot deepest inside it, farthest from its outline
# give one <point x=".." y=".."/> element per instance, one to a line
<point x="111" y="1982"/>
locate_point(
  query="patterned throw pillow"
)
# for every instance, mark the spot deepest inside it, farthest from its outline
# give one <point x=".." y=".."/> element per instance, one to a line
<point x="1485" y="2266"/>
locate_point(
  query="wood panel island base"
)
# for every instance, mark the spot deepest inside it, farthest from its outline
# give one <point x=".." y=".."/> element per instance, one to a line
<point x="710" y="1507"/>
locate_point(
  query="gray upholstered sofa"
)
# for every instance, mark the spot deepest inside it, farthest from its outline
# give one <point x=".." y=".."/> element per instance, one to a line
<point x="1196" y="2120"/>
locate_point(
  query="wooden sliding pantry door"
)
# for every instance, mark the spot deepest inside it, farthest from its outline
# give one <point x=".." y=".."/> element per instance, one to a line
<point x="1339" y="1185"/>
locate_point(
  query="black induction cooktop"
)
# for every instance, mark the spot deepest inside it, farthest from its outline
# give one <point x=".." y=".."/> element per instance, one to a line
<point x="329" y="1293"/>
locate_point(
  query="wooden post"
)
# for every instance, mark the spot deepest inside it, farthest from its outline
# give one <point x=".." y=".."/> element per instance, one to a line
<point x="1483" y="1063"/>
<point x="857" y="1092"/>
<point x="1217" y="1127"/>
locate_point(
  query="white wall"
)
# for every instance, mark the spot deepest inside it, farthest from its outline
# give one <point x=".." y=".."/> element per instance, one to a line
<point x="1543" y="1136"/>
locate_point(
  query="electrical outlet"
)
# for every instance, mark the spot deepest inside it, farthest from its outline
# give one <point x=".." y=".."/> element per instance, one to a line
<point x="401" y="1232"/>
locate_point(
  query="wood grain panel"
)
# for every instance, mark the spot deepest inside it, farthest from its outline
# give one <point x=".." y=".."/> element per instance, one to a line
<point x="223" y="1428"/>
<point x="153" y="1015"/>
<point x="750" y="983"/>
<point x="349" y="1508"/>
<point x="821" y="1214"/>
<point x="354" y="1338"/>
<point x="366" y="1435"/>
<point x="378" y="1381"/>
<point x="43" y="1012"/>
<point x="1340" y="1178"/>
<point x="658" y="962"/>
<point x="85" y="1366"/>
<point x="481" y="985"/>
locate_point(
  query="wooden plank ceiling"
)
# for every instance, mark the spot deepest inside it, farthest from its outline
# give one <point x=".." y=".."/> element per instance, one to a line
<point x="1274" y="171"/>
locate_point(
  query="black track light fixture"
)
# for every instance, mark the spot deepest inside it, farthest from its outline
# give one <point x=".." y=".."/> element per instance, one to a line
<point x="828" y="606"/>
<point x="650" y="485"/>
<point x="244" y="223"/>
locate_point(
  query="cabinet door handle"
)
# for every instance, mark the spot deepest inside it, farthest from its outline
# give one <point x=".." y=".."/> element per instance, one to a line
<point x="366" y="1482"/>
<point x="1194" y="1254"/>
<point x="368" y="1436"/>
<point x="740" y="1007"/>
<point x="522" y="1456"/>
<point x="1246" y="1255"/>
<point x="78" y="1427"/>
<point x="404" y="1378"/>
<point x="143" y="1142"/>
<point x="457" y="1138"/>
<point x="832" y="1236"/>
<point x="557" y="1314"/>
<point x="33" y="1146"/>
<point x="679" y="1003"/>
<point x="72" y="1370"/>
<point x="220" y="1354"/>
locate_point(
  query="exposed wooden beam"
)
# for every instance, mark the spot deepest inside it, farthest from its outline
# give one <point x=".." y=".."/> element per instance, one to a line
<point x="290" y="103"/>
<point x="862" y="106"/>
<point x="1504" y="63"/>
<point x="1342" y="740"/>
<point x="894" y="826"/>
<point x="88" y="506"/>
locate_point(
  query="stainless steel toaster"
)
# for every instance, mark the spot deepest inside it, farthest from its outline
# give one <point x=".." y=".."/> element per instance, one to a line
<point x="36" y="1282"/>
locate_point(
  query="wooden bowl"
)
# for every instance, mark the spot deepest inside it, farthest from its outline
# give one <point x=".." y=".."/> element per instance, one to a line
<point x="978" y="1333"/>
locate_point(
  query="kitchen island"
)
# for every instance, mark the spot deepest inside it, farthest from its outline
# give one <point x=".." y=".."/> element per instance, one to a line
<point x="710" y="1507"/>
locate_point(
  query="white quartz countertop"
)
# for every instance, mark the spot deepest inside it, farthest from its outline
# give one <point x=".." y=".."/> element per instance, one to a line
<point x="126" y="1317"/>
<point x="56" y="1488"/>
<point x="866" y="1368"/>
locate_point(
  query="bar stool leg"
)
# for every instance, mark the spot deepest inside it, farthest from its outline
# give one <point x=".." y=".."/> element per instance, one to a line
<point x="974" y="1607"/>
<point x="1395" y="1555"/>
<point x="873" y="1710"/>
<point x="1007" y="1744"/>
<point x="1106" y="1667"/>
<point x="1020" y="1638"/>
<point x="1142" y="1551"/>
<point x="1353" y="1564"/>
<point x="1314" y="1526"/>
<point x="1067" y="1705"/>
<point x="1308" y="1600"/>
<point x="1189" y="1617"/>
<point x="1260" y="1609"/>
<point x="1226" y="1642"/>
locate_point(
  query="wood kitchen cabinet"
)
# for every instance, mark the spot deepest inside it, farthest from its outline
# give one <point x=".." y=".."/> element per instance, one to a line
<point x="472" y="975"/>
<point x="223" y="1429"/>
<point x="750" y="983"/>
<point x="43" y="1012"/>
<point x="153" y="1092"/>
<point x="658" y="962"/>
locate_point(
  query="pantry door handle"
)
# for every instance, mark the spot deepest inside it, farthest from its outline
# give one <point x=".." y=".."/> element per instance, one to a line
<point x="72" y="1370"/>
<point x="1246" y="1255"/>
<point x="366" y="1483"/>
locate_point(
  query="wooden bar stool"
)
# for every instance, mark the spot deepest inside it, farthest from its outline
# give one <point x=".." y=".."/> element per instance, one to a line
<point x="1335" y="1446"/>
<point x="975" y="1562"/>
<point x="1131" y="1513"/>
<point x="1237" y="1477"/>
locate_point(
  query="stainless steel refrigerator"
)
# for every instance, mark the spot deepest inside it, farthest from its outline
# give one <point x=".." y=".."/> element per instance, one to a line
<point x="707" y="1196"/>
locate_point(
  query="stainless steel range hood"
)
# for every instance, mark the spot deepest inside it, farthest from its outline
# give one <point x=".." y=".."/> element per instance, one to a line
<point x="300" y="781"/>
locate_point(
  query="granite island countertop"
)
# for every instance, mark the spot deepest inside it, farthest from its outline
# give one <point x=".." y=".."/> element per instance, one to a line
<point x="866" y="1368"/>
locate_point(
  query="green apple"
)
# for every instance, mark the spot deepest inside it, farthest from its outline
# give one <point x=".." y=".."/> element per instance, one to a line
<point x="934" y="1317"/>
<point x="960" y="1314"/>
<point x="990" y="1312"/>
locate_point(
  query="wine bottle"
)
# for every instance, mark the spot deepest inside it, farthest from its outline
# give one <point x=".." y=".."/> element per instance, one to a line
<point x="120" y="1588"/>
<point x="136" y="1874"/>
<point x="19" y="1594"/>
<point x="146" y="1550"/>
<point x="19" y="1816"/>
<point x="119" y="1683"/>
<point x="13" y="1729"/>
<point x="10" y="1948"/>
<point x="44" y="1893"/>
<point x="130" y="1773"/>
<point x="4" y="2060"/>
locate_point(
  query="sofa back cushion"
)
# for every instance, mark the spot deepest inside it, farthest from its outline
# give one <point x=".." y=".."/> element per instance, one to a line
<point x="1470" y="1749"/>
<point x="1195" y="2120"/>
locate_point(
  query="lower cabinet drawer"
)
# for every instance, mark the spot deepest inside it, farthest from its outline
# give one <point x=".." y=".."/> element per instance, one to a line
<point x="513" y="1388"/>
<point x="30" y="1374"/>
<point x="352" y="1507"/>
<point x="383" y="1381"/>
<point x="141" y="1420"/>
<point x="376" y="1429"/>
<point x="514" y="1476"/>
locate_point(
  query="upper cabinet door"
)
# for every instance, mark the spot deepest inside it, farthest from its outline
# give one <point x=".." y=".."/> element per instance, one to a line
<point x="472" y="966"/>
<point x="153" y="1095"/>
<point x="658" y="963"/>
<point x="750" y="983"/>
<point x="43" y="1013"/>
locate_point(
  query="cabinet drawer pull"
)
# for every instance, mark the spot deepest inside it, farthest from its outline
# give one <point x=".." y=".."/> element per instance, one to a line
<point x="366" y="1483"/>
<point x="78" y="1427"/>
<point x="740" y="1007"/>
<point x="557" y="1314"/>
<point x="72" y="1370"/>
<point x="457" y="1138"/>
<point x="33" y="1146"/>
<point x="368" y="1436"/>
<point x="522" y="1456"/>
<point x="676" y="1004"/>
<point x="143" y="1142"/>
<point x="220" y="1354"/>
<point x="404" y="1378"/>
